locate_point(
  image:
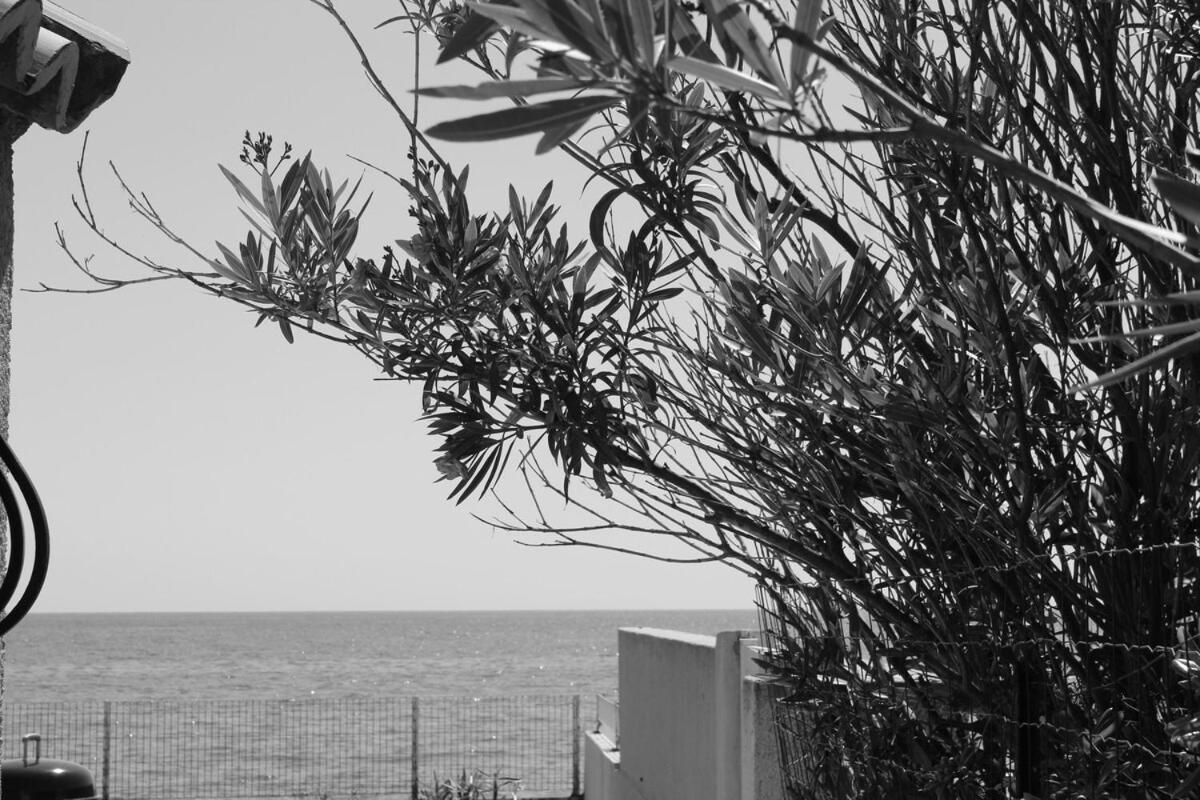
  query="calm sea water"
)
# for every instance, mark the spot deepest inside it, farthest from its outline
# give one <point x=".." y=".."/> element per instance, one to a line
<point x="223" y="706"/>
<point x="76" y="657"/>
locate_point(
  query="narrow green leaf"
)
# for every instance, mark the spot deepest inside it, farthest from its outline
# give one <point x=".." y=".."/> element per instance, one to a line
<point x="1169" y="329"/>
<point x="595" y="10"/>
<point x="542" y="16"/>
<point x="658" y="295"/>
<point x="828" y="280"/>
<point x="556" y="136"/>
<point x="584" y="274"/>
<point x="317" y="190"/>
<point x="1183" y="196"/>
<point x="242" y="191"/>
<point x="578" y="28"/>
<point x="517" y="19"/>
<point x="601" y="296"/>
<point x="289" y="187"/>
<point x="515" y="208"/>
<point x="640" y="17"/>
<point x="239" y="270"/>
<point x="725" y="77"/>
<point x="539" y="205"/>
<point x="474" y="477"/>
<point x="258" y="226"/>
<point x="225" y="272"/>
<point x="494" y="89"/>
<point x="270" y="199"/>
<point x="473" y="32"/>
<point x="522" y="120"/>
<point x="1183" y="347"/>
<point x="394" y="20"/>
<point x="285" y="328"/>
<point x="739" y="31"/>
<point x="600" y="214"/>
<point x="688" y="39"/>
<point x="623" y="36"/>
<point x="806" y="20"/>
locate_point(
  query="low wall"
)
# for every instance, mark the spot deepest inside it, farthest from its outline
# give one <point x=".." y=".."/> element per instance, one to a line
<point x="602" y="775"/>
<point x="691" y="724"/>
<point x="667" y="680"/>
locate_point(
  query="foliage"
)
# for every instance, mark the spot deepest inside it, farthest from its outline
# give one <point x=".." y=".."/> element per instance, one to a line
<point x="477" y="785"/>
<point x="840" y="349"/>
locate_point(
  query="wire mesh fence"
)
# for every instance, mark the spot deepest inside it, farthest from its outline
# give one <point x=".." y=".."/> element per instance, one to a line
<point x="319" y="748"/>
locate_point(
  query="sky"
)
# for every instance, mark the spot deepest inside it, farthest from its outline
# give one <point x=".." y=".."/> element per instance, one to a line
<point x="190" y="462"/>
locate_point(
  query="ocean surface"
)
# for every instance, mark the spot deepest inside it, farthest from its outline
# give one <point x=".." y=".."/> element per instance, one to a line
<point x="278" y="656"/>
<point x="318" y="705"/>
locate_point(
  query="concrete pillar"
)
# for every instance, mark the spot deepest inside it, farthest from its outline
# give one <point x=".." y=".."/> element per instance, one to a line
<point x="762" y="776"/>
<point x="730" y="671"/>
<point x="10" y="129"/>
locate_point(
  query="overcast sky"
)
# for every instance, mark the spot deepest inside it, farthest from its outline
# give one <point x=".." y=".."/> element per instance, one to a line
<point x="190" y="462"/>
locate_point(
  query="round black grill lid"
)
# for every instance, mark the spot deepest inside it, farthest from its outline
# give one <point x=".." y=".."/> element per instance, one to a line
<point x="40" y="778"/>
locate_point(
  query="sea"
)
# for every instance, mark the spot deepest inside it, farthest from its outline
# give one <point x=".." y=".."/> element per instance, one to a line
<point x="145" y="656"/>
<point x="319" y="705"/>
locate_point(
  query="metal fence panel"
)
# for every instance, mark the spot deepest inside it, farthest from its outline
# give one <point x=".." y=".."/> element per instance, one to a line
<point x="318" y="748"/>
<point x="526" y="738"/>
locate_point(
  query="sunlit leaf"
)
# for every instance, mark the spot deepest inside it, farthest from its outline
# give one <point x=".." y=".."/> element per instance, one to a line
<point x="640" y="15"/>
<point x="737" y="29"/>
<point x="725" y="77"/>
<point x="806" y="20"/>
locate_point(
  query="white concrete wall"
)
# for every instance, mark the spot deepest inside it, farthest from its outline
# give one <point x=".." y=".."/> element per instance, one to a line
<point x="760" y="776"/>
<point x="668" y="720"/>
<point x="729" y="665"/>
<point x="693" y="725"/>
<point x="602" y="775"/>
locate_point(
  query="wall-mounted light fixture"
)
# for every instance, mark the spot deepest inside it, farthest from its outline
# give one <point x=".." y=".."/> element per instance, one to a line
<point x="55" y="67"/>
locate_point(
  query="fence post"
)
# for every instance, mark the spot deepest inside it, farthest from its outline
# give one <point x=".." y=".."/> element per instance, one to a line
<point x="416" y="728"/>
<point x="107" y="749"/>
<point x="575" y="730"/>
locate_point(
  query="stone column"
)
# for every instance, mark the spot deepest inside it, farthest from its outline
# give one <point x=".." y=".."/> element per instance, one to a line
<point x="11" y="128"/>
<point x="6" y="265"/>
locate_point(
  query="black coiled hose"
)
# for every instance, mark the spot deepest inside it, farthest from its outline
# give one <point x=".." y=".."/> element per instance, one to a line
<point x="17" y="494"/>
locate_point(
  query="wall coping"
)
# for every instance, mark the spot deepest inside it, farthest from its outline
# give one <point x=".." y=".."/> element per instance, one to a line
<point x="695" y="639"/>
